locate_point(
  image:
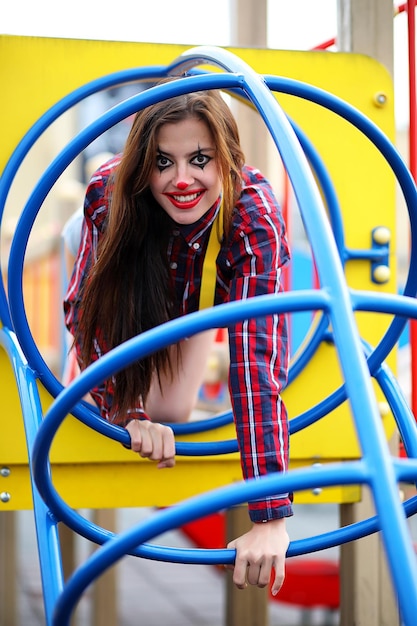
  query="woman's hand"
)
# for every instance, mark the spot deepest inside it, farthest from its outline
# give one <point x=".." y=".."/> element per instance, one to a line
<point x="152" y="441"/>
<point x="258" y="552"/>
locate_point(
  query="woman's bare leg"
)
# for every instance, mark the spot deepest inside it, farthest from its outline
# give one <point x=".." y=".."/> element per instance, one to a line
<point x="175" y="399"/>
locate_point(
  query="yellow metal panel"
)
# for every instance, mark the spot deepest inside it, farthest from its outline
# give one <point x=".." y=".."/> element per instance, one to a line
<point x="17" y="487"/>
<point x="12" y="434"/>
<point x="100" y="486"/>
<point x="139" y="483"/>
<point x="39" y="71"/>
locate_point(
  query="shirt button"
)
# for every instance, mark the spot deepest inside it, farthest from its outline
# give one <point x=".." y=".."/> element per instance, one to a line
<point x="196" y="246"/>
<point x="176" y="232"/>
<point x="173" y="265"/>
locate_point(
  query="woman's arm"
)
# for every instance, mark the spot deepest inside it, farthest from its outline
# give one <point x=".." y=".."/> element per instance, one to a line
<point x="258" y="374"/>
<point x="259" y="346"/>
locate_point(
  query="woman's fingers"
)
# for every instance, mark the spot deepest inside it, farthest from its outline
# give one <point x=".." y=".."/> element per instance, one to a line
<point x="239" y="570"/>
<point x="258" y="553"/>
<point x="279" y="577"/>
<point x="252" y="572"/>
<point x="152" y="441"/>
<point x="167" y="459"/>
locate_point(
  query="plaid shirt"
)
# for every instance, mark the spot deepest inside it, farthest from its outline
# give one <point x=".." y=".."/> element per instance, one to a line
<point x="248" y="264"/>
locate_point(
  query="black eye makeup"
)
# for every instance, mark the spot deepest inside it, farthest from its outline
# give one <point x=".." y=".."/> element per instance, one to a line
<point x="162" y="161"/>
<point x="201" y="159"/>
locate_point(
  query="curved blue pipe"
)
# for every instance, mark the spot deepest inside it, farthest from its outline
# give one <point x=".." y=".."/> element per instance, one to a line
<point x="295" y="88"/>
<point x="339" y="311"/>
<point x="33" y="134"/>
<point x="324" y="99"/>
<point x="194" y="508"/>
<point x="393" y="158"/>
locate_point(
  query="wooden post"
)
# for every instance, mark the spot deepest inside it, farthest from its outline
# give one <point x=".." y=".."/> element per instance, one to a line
<point x="366" y="27"/>
<point x="366" y="594"/>
<point x="248" y="607"/>
<point x="249" y="29"/>
<point x="244" y="607"/>
<point x="67" y="541"/>
<point x="104" y="592"/>
<point x="8" y="565"/>
<point x="104" y="607"/>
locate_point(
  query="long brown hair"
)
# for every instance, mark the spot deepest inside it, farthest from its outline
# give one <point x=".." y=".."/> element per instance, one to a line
<point x="129" y="288"/>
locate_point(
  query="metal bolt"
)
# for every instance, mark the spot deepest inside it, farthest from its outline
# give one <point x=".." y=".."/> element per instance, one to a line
<point x="381" y="235"/>
<point x="5" y="472"/>
<point x="5" y="496"/>
<point x="381" y="274"/>
<point x="380" y="99"/>
<point x="383" y="408"/>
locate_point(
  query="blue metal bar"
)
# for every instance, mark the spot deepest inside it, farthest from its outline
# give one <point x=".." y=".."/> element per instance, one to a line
<point x="307" y="351"/>
<point x="54" y="386"/>
<point x="200" y="506"/>
<point x="393" y="158"/>
<point x="33" y="134"/>
<point x="191" y="509"/>
<point x="49" y="380"/>
<point x="402" y="306"/>
<point x="389" y="152"/>
<point x="377" y="468"/>
<point x="401" y="411"/>
<point x="48" y="179"/>
<point x="315" y="543"/>
<point x="155" y="339"/>
<point x="178" y="329"/>
<point x="358" y="384"/>
<point x="324" y="325"/>
<point x="99" y="535"/>
<point x="49" y="550"/>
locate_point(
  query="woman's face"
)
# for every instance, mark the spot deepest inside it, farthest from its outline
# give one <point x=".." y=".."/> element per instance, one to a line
<point x="185" y="180"/>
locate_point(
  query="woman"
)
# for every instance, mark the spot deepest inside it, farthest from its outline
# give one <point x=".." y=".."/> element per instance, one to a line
<point x="148" y="217"/>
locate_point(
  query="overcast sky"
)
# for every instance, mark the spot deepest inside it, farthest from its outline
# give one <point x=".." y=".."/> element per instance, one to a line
<point x="169" y="21"/>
